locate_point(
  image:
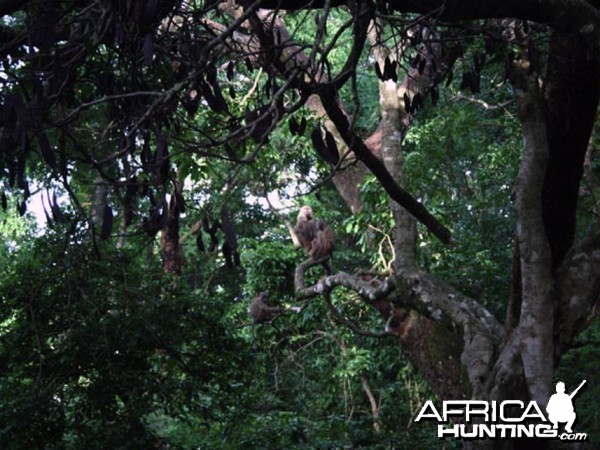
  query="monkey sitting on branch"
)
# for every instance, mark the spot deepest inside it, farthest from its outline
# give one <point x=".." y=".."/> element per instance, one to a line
<point x="315" y="236"/>
<point x="261" y="311"/>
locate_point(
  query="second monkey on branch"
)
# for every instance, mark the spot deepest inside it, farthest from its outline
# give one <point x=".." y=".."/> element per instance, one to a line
<point x="315" y="236"/>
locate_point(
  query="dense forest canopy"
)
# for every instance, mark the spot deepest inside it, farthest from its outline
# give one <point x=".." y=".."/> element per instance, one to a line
<point x="160" y="288"/>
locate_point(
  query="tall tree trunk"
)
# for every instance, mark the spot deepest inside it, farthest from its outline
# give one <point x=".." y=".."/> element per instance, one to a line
<point x="545" y="321"/>
<point x="405" y="228"/>
<point x="536" y="317"/>
<point x="390" y="129"/>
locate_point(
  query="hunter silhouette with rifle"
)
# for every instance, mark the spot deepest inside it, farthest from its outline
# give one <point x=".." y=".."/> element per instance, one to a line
<point x="560" y="407"/>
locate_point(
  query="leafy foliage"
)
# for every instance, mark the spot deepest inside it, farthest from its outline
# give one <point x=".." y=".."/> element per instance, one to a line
<point x="92" y="347"/>
<point x="112" y="352"/>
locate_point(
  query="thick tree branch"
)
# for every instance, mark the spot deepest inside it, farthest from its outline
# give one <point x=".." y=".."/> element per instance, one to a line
<point x="365" y="290"/>
<point x="463" y="317"/>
